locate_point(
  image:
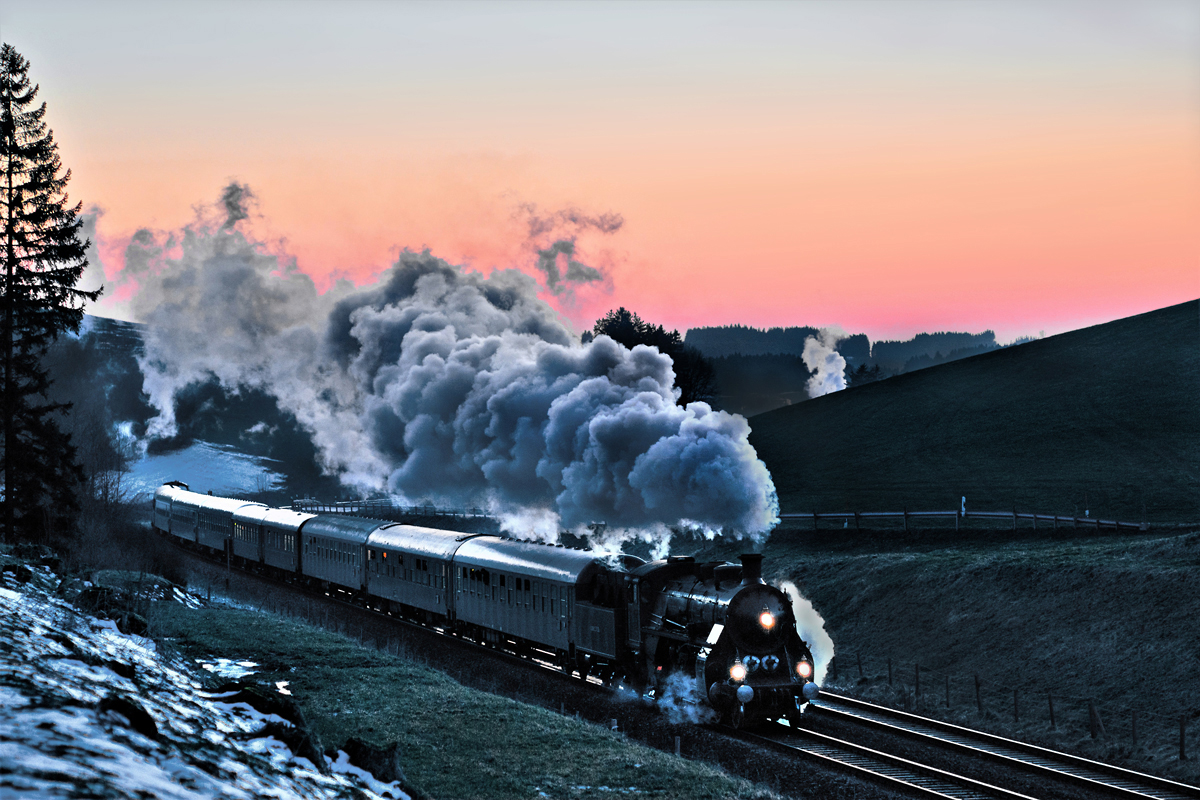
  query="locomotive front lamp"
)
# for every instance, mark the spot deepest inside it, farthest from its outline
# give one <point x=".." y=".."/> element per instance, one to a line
<point x="738" y="671"/>
<point x="766" y="619"/>
<point x="804" y="669"/>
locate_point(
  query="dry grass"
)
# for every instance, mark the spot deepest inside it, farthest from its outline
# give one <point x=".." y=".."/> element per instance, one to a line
<point x="456" y="742"/>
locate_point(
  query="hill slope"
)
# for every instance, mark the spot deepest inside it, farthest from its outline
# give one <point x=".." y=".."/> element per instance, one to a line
<point x="1105" y="418"/>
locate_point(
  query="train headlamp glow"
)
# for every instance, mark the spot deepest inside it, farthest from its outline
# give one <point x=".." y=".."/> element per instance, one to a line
<point x="766" y="619"/>
<point x="738" y="671"/>
<point x="804" y="669"/>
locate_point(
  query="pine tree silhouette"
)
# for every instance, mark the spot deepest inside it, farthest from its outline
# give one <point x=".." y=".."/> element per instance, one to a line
<point x="44" y="258"/>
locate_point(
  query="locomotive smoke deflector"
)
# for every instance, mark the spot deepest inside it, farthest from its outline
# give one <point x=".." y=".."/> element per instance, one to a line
<point x="751" y="568"/>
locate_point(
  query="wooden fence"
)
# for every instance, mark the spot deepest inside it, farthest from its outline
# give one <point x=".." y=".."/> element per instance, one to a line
<point x="961" y="517"/>
<point x="384" y="508"/>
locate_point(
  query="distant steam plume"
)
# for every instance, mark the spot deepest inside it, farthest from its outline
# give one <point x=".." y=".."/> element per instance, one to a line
<point x="442" y="385"/>
<point x="820" y="355"/>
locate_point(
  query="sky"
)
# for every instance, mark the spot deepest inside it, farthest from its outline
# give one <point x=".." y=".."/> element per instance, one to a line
<point x="889" y="167"/>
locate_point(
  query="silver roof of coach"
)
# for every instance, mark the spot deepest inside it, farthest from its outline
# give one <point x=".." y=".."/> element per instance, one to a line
<point x="528" y="558"/>
<point x="204" y="502"/>
<point x="415" y="539"/>
<point x="343" y="527"/>
<point x="275" y="517"/>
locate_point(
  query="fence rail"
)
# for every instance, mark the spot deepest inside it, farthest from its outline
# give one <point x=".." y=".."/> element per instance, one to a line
<point x="382" y="507"/>
<point x="1055" y="520"/>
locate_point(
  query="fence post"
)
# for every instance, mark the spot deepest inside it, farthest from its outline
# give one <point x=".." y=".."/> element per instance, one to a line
<point x="833" y="668"/>
<point x="856" y="525"/>
<point x="1096" y="724"/>
<point x="676" y="745"/>
<point x="1182" y="737"/>
<point x="814" y="519"/>
<point x="1014" y="518"/>
<point x="1050" y="698"/>
<point x="906" y="519"/>
<point x="978" y="697"/>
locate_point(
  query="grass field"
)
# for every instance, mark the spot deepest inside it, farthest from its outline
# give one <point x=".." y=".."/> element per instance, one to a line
<point x="1104" y="419"/>
<point x="455" y="742"/>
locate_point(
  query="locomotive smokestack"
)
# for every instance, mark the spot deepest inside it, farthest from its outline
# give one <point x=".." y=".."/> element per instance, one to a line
<point x="751" y="568"/>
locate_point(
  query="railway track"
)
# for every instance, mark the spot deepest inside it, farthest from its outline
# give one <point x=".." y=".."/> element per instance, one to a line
<point x="899" y="774"/>
<point x="1113" y="781"/>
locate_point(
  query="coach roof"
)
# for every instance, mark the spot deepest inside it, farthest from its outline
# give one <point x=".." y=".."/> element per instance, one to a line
<point x="416" y="539"/>
<point x="531" y="559"/>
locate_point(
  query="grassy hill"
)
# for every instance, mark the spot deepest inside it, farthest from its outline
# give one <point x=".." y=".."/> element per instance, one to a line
<point x="1105" y="418"/>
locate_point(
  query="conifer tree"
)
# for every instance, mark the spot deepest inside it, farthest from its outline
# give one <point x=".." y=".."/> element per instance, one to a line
<point x="44" y="257"/>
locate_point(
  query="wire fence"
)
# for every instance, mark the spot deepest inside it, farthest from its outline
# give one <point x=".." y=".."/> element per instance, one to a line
<point x="966" y="699"/>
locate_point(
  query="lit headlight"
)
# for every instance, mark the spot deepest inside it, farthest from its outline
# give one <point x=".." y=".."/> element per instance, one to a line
<point x="766" y="619"/>
<point x="804" y="669"/>
<point x="738" y="671"/>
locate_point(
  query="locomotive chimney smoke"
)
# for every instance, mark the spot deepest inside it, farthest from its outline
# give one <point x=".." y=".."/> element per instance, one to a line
<point x="811" y="626"/>
<point x="820" y="355"/>
<point x="751" y="568"/>
<point x="440" y="384"/>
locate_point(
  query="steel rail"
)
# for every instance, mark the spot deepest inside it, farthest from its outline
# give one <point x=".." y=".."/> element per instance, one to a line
<point x="1075" y="769"/>
<point x="922" y="779"/>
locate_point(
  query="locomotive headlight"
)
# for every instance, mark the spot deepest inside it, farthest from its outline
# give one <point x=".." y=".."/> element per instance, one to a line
<point x="804" y="669"/>
<point x="766" y="619"/>
<point x="738" y="671"/>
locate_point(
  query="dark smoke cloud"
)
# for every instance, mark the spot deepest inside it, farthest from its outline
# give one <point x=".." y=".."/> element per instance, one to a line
<point x="571" y="220"/>
<point x="576" y="272"/>
<point x="558" y="261"/>
<point x="236" y="199"/>
<point x="443" y="385"/>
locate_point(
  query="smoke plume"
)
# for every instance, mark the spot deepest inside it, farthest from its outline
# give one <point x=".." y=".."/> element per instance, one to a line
<point x="820" y="355"/>
<point x="441" y="385"/>
<point x="811" y="626"/>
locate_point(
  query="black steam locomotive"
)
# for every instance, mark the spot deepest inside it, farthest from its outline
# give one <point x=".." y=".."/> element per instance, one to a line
<point x="714" y="629"/>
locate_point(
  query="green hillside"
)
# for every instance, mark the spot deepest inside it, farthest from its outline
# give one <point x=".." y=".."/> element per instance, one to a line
<point x="1105" y="418"/>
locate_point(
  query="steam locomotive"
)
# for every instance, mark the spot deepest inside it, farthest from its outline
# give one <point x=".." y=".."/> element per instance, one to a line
<point x="716" y="629"/>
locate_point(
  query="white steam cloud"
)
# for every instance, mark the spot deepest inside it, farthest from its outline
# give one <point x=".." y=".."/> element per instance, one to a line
<point x="819" y="354"/>
<point x="811" y="626"/>
<point x="436" y="384"/>
<point x="682" y="700"/>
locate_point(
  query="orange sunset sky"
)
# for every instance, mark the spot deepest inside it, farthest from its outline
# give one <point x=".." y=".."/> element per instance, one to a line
<point x="889" y="167"/>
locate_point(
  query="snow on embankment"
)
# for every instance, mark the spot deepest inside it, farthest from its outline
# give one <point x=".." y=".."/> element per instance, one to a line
<point x="88" y="710"/>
